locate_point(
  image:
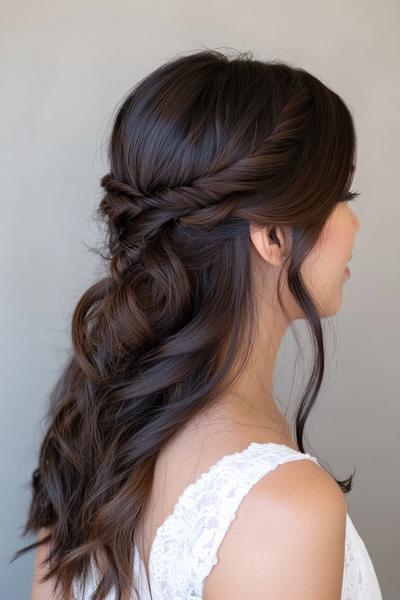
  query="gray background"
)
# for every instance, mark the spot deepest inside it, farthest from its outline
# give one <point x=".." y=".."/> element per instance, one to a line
<point x="65" y="66"/>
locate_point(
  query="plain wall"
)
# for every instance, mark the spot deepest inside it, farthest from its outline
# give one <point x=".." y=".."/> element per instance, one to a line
<point x="65" y="66"/>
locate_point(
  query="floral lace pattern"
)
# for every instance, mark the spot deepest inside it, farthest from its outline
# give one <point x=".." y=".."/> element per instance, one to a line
<point x="359" y="577"/>
<point x="185" y="546"/>
<point x="192" y="533"/>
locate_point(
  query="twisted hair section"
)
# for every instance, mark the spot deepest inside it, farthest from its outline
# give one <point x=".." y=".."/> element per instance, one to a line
<point x="199" y="149"/>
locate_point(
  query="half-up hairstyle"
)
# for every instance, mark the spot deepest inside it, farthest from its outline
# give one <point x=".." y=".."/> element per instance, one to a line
<point x="202" y="147"/>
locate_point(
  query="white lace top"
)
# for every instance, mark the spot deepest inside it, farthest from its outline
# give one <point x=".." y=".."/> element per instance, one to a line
<point x="191" y="535"/>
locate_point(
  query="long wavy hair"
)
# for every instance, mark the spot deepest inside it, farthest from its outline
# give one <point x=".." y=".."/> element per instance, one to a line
<point x="200" y="148"/>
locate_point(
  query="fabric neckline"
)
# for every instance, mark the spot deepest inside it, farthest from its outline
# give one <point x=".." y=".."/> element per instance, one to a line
<point x="194" y="484"/>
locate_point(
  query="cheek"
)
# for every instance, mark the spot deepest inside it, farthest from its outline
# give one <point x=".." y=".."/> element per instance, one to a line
<point x="335" y="245"/>
<point x="323" y="270"/>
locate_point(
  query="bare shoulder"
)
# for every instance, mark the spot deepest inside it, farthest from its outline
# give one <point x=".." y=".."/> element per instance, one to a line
<point x="287" y="540"/>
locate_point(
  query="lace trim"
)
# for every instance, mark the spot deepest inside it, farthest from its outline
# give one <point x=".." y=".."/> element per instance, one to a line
<point x="352" y="578"/>
<point x="202" y="515"/>
<point x="185" y="546"/>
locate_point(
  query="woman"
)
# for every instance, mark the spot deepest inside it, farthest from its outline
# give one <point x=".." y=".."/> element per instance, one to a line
<point x="228" y="218"/>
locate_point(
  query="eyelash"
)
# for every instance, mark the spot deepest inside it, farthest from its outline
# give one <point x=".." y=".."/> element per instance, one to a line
<point x="351" y="196"/>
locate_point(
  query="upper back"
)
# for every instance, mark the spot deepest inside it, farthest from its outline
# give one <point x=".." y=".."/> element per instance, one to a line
<point x="192" y="535"/>
<point x="288" y="538"/>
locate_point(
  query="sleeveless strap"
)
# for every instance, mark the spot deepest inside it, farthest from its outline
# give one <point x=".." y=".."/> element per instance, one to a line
<point x="186" y="545"/>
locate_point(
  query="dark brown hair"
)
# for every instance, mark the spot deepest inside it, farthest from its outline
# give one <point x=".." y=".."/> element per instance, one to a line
<point x="200" y="148"/>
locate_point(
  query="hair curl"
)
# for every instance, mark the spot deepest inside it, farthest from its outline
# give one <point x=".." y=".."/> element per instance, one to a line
<point x="200" y="148"/>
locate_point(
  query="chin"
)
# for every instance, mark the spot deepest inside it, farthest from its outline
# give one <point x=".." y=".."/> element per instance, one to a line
<point x="332" y="306"/>
<point x="328" y="302"/>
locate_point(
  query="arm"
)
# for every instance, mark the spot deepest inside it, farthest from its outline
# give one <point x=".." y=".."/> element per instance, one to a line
<point x="287" y="540"/>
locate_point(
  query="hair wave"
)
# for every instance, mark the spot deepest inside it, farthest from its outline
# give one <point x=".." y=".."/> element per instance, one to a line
<point x="200" y="148"/>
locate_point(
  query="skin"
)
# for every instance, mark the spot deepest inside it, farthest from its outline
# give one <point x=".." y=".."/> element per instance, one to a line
<point x="323" y="269"/>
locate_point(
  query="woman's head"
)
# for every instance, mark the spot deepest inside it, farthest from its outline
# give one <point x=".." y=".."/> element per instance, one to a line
<point x="205" y="142"/>
<point x="206" y="154"/>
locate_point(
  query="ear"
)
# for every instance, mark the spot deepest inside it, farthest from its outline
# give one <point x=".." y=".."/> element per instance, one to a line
<point x="271" y="242"/>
